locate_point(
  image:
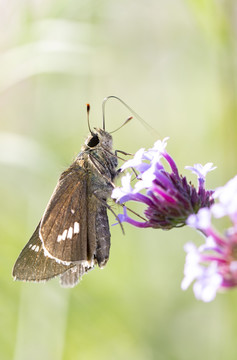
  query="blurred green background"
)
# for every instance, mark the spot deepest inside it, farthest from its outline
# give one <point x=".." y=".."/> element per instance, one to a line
<point x="174" y="62"/>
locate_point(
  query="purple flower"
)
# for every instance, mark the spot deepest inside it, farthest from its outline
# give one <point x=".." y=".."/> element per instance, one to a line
<point x="227" y="196"/>
<point x="213" y="266"/>
<point x="169" y="198"/>
<point x="208" y="280"/>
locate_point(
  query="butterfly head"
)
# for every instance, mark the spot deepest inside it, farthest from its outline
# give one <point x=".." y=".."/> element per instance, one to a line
<point x="99" y="138"/>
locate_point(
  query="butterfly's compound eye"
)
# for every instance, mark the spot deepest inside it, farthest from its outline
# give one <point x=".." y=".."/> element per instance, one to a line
<point x="93" y="141"/>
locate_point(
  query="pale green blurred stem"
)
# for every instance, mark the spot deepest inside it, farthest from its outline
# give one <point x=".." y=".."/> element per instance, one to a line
<point x="41" y="322"/>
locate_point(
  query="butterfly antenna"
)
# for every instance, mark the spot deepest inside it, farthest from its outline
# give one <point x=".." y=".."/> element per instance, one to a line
<point x="103" y="112"/>
<point x="130" y="109"/>
<point x="125" y="122"/>
<point x="88" y="120"/>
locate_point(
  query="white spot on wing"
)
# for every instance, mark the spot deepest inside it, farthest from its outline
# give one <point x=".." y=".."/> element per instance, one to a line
<point x="76" y="227"/>
<point x="59" y="238"/>
<point x="70" y="233"/>
<point x="34" y="247"/>
<point x="72" y="211"/>
<point x="64" y="234"/>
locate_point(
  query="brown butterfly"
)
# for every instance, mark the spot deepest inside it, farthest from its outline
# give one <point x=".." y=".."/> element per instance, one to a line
<point x="73" y="234"/>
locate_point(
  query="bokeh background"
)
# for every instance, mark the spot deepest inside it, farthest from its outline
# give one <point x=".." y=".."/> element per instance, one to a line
<point x="174" y="63"/>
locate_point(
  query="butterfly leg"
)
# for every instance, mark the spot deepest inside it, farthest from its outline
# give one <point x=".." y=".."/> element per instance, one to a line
<point x="122" y="152"/>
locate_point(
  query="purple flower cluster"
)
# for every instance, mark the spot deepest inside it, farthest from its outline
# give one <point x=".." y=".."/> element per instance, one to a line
<point x="213" y="265"/>
<point x="169" y="198"/>
<point x="171" y="201"/>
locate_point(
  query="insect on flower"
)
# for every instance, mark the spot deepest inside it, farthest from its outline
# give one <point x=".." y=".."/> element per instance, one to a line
<point x="73" y="235"/>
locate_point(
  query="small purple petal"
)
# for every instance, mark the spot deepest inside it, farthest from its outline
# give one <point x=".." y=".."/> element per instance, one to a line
<point x="157" y="150"/>
<point x="160" y="145"/>
<point x="192" y="268"/>
<point x="125" y="218"/>
<point x="209" y="245"/>
<point x="171" y="163"/>
<point x="227" y="196"/>
<point x="206" y="286"/>
<point x="201" y="220"/>
<point x="200" y="170"/>
<point x="136" y="161"/>
<point x="126" y="188"/>
<point x="146" y="179"/>
<point x="207" y="279"/>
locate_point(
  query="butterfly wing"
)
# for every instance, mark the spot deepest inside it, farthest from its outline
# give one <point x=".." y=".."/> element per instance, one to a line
<point x="73" y="275"/>
<point x="64" y="227"/>
<point x="99" y="232"/>
<point x="33" y="265"/>
<point x="73" y="234"/>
